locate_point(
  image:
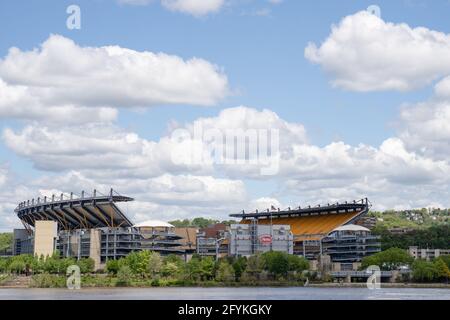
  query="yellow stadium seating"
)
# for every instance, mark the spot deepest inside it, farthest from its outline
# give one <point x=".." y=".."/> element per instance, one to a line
<point x="311" y="227"/>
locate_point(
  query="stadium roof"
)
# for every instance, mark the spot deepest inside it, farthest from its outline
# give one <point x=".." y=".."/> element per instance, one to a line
<point x="71" y="212"/>
<point x="335" y="208"/>
<point x="153" y="224"/>
<point x="312" y="223"/>
<point x="351" y="227"/>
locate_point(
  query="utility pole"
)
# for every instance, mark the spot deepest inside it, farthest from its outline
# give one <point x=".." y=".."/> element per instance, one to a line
<point x="217" y="247"/>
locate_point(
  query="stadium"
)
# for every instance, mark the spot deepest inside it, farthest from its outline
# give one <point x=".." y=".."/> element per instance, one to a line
<point x="88" y="226"/>
<point x="335" y="230"/>
<point x="94" y="226"/>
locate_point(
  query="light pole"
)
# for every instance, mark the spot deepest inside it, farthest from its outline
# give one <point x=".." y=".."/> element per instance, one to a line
<point x="80" y="233"/>
<point x="217" y="247"/>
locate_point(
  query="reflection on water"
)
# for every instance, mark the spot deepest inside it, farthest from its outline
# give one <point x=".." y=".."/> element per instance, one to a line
<point x="227" y="294"/>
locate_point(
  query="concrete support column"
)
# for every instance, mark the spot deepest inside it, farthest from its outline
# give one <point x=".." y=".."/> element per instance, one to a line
<point x="394" y="277"/>
<point x="95" y="248"/>
<point x="348" y="279"/>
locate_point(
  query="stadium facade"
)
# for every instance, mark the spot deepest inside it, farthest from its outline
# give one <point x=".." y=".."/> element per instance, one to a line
<point x="316" y="230"/>
<point x="94" y="226"/>
<point x="88" y="226"/>
<point x="250" y="239"/>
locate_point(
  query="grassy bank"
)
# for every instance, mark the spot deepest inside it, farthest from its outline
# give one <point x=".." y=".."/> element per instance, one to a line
<point x="110" y="281"/>
<point x="383" y="285"/>
<point x="4" y="278"/>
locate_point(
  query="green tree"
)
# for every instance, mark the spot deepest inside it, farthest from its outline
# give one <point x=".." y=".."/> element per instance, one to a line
<point x="432" y="236"/>
<point x="138" y="262"/>
<point x="155" y="263"/>
<point x="170" y="269"/>
<point x="17" y="266"/>
<point x="124" y="276"/>
<point x="86" y="265"/>
<point x="112" y="266"/>
<point x="297" y="264"/>
<point x="52" y="265"/>
<point x="255" y="265"/>
<point x="6" y="240"/>
<point x="192" y="269"/>
<point x="181" y="223"/>
<point x="390" y="259"/>
<point x="276" y="262"/>
<point x="4" y="263"/>
<point x="239" y="266"/>
<point x="446" y="259"/>
<point x="174" y="259"/>
<point x="424" y="271"/>
<point x="207" y="265"/>
<point x="37" y="265"/>
<point x="442" y="269"/>
<point x="202" y="222"/>
<point x="28" y="259"/>
<point x="225" y="272"/>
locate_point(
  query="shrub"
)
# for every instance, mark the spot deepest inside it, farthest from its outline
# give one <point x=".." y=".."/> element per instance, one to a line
<point x="277" y="263"/>
<point x="124" y="276"/>
<point x="390" y="259"/>
<point x="192" y="269"/>
<point x="86" y="265"/>
<point x="46" y="280"/>
<point x="138" y="262"/>
<point x="442" y="269"/>
<point x="225" y="272"/>
<point x="239" y="266"/>
<point x="297" y="264"/>
<point x="170" y="269"/>
<point x="112" y="266"/>
<point x="207" y="266"/>
<point x="424" y="271"/>
<point x="17" y="266"/>
<point x="155" y="263"/>
<point x="4" y="263"/>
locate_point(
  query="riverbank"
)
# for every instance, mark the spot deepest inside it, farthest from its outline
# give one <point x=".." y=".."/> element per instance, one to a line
<point x="383" y="285"/>
<point x="109" y="282"/>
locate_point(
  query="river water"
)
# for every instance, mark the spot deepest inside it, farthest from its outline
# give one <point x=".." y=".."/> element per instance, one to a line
<point x="297" y="293"/>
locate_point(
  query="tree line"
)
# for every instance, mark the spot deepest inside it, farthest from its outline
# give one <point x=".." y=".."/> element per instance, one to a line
<point x="148" y="268"/>
<point x="269" y="266"/>
<point x="27" y="264"/>
<point x="436" y="237"/>
<point x="436" y="270"/>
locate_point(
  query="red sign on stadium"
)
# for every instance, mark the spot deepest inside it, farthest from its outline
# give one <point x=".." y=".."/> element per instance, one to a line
<point x="265" y="239"/>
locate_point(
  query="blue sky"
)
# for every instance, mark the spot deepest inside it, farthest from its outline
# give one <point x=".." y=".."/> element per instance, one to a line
<point x="262" y="56"/>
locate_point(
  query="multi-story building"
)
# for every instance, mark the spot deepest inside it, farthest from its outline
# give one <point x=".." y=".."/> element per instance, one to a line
<point x="212" y="240"/>
<point x="92" y="227"/>
<point x="350" y="243"/>
<point x="188" y="239"/>
<point x="427" y="254"/>
<point x="249" y="239"/>
<point x="323" y="231"/>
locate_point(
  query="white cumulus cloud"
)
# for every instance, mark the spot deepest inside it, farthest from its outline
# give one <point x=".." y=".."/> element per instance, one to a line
<point x="194" y="7"/>
<point x="365" y="53"/>
<point x="62" y="74"/>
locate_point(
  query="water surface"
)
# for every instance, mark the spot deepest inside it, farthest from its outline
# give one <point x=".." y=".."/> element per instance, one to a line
<point x="263" y="293"/>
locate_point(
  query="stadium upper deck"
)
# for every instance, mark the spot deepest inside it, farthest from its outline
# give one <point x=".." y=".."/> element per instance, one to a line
<point x="311" y="223"/>
<point x="71" y="212"/>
